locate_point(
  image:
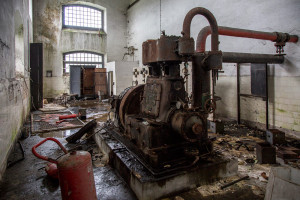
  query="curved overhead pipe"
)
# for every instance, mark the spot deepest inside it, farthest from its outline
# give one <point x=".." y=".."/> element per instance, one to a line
<point x="200" y="77"/>
<point x="235" y="32"/>
<point x="186" y="28"/>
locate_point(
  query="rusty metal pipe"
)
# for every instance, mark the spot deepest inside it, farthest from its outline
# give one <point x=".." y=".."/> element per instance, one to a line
<point x="199" y="83"/>
<point x="233" y="57"/>
<point x="186" y="28"/>
<point x="235" y="32"/>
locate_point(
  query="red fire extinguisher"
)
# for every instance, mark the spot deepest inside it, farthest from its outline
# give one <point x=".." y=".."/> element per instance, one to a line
<point x="75" y="173"/>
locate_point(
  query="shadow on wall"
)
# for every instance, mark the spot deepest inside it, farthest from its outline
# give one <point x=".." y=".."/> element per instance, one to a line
<point x="222" y="108"/>
<point x="289" y="66"/>
<point x="271" y="91"/>
<point x="19" y="45"/>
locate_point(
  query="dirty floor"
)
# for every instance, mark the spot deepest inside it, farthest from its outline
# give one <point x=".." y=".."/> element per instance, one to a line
<point x="27" y="178"/>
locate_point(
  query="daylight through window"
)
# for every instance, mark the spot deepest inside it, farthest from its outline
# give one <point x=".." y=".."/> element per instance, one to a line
<point x="82" y="58"/>
<point x="82" y="17"/>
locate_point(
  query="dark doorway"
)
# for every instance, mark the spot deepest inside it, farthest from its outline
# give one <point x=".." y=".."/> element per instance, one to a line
<point x="75" y="79"/>
<point x="36" y="75"/>
<point x="82" y="80"/>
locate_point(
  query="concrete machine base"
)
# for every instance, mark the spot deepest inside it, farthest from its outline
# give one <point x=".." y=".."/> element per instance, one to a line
<point x="147" y="186"/>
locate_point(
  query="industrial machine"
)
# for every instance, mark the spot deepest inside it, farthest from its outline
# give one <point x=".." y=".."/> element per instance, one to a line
<point x="157" y="121"/>
<point x="156" y="116"/>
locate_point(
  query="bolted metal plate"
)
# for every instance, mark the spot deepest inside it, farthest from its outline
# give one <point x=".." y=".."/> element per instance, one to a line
<point x="151" y="99"/>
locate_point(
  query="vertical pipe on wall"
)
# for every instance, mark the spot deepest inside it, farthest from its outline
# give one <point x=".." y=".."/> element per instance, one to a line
<point x="238" y="93"/>
<point x="200" y="81"/>
<point x="267" y="98"/>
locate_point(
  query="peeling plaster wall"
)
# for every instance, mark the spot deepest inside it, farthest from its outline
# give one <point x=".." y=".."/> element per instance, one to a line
<point x="48" y="30"/>
<point x="269" y="15"/>
<point x="14" y="73"/>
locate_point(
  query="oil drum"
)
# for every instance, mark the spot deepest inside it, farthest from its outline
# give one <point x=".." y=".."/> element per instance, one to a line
<point x="75" y="173"/>
<point x="76" y="177"/>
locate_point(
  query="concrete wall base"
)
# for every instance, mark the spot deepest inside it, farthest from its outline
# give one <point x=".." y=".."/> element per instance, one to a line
<point x="148" y="187"/>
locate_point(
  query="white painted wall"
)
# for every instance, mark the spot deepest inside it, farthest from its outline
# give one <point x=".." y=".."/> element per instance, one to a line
<point x="144" y="23"/>
<point x="268" y="15"/>
<point x="122" y="74"/>
<point x="48" y="30"/>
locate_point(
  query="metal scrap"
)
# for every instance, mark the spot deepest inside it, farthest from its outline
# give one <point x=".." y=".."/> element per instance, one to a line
<point x="234" y="182"/>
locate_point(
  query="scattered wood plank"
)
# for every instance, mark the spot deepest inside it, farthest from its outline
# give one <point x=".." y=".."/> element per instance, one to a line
<point x="87" y="127"/>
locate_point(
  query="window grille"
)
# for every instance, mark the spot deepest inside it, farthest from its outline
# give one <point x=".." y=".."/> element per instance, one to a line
<point x="82" y="17"/>
<point x="82" y="58"/>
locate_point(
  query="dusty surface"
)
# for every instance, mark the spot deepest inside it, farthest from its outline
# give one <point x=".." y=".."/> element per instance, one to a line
<point x="94" y="110"/>
<point x="228" y="145"/>
<point x="49" y="121"/>
<point x="27" y="179"/>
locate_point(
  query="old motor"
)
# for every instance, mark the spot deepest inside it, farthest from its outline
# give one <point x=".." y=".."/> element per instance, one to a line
<point x="75" y="172"/>
<point x="156" y="120"/>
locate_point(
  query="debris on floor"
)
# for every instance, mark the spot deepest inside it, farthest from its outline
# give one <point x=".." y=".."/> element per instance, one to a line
<point x="43" y="122"/>
<point x="237" y="142"/>
<point x="28" y="180"/>
<point x="86" y="128"/>
<point x="52" y="107"/>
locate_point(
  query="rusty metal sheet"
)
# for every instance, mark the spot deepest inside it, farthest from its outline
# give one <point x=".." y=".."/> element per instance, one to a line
<point x="159" y="50"/>
<point x="88" y="87"/>
<point x="100" y="81"/>
<point x="265" y="153"/>
<point x="47" y="122"/>
<point x="151" y="99"/>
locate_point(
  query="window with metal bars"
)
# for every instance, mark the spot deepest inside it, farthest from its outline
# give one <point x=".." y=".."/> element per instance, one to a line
<point x="82" y="17"/>
<point x="83" y="58"/>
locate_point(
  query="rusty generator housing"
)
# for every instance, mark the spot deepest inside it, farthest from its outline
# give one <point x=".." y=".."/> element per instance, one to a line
<point x="155" y="118"/>
<point x="157" y="121"/>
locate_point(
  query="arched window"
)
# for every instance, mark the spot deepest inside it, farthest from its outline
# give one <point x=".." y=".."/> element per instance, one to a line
<point x="82" y="17"/>
<point x="83" y="58"/>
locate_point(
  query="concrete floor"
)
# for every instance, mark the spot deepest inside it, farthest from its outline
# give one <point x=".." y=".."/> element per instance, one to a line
<point x="28" y="180"/>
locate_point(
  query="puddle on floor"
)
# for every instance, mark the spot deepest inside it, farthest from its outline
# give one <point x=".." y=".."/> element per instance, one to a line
<point x="94" y="110"/>
<point x="98" y="111"/>
<point x="59" y="134"/>
<point x="88" y="103"/>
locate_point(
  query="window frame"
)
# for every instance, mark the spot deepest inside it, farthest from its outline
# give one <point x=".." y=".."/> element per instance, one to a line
<point x="80" y="62"/>
<point x="64" y="26"/>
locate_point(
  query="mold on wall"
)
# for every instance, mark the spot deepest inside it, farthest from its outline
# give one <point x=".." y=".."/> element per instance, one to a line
<point x="144" y="22"/>
<point x="15" y="36"/>
<point x="48" y="30"/>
